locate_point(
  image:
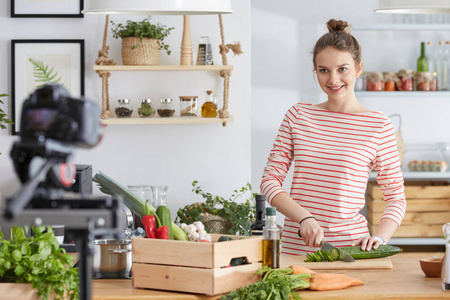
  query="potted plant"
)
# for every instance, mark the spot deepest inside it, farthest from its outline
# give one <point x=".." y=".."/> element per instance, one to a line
<point x="141" y="41"/>
<point x="220" y="215"/>
<point x="3" y="117"/>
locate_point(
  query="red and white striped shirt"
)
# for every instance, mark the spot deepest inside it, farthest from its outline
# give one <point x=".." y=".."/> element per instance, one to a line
<point x="333" y="154"/>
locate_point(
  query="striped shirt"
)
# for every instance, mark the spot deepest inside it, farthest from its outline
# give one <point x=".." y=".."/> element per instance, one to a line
<point x="332" y="155"/>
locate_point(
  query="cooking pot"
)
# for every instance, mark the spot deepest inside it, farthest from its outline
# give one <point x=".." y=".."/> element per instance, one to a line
<point x="112" y="258"/>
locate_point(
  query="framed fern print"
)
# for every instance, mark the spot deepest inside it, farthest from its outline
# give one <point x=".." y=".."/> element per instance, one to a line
<point x="35" y="63"/>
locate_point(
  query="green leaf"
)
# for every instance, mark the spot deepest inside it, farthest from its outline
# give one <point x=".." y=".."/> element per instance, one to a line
<point x="42" y="73"/>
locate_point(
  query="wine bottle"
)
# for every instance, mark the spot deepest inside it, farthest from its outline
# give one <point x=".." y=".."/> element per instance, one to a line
<point x="442" y="67"/>
<point x="257" y="227"/>
<point x="422" y="61"/>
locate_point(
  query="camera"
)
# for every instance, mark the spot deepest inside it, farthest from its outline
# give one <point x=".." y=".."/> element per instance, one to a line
<point x="51" y="113"/>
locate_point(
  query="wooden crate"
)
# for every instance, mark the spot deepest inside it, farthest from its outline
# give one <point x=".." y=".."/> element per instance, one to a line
<point x="195" y="267"/>
<point x="427" y="209"/>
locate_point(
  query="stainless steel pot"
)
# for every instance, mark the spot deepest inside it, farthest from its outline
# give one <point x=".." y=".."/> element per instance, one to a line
<point x="112" y="258"/>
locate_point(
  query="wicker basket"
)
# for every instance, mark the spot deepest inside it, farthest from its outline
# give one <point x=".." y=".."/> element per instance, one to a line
<point x="147" y="52"/>
<point x="215" y="223"/>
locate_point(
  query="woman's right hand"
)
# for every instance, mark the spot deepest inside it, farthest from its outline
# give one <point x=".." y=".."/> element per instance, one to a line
<point x="311" y="232"/>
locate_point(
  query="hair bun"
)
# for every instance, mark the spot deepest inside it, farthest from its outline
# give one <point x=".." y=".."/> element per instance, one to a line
<point x="338" y="26"/>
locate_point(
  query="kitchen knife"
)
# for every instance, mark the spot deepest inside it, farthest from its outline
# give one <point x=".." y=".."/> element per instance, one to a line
<point x="344" y="256"/>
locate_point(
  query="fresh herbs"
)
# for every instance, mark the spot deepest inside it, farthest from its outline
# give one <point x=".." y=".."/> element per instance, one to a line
<point x="143" y="29"/>
<point x="3" y="117"/>
<point x="240" y="215"/>
<point x="278" y="284"/>
<point x="38" y="260"/>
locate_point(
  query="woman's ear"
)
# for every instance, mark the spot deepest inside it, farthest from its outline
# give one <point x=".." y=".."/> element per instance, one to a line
<point x="359" y="69"/>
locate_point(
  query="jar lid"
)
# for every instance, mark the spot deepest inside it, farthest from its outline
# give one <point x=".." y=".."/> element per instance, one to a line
<point x="124" y="101"/>
<point x="167" y="100"/>
<point x="188" y="97"/>
<point x="146" y="100"/>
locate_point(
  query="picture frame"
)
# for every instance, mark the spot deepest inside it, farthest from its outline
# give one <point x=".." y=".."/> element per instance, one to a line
<point x="47" y="9"/>
<point x="58" y="60"/>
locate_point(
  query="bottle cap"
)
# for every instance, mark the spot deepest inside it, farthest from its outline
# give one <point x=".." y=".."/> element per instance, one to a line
<point x="146" y="100"/>
<point x="260" y="197"/>
<point x="271" y="211"/>
<point x="209" y="92"/>
<point x="123" y="101"/>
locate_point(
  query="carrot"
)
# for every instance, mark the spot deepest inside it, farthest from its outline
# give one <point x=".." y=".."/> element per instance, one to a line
<point x="331" y="281"/>
<point x="300" y="269"/>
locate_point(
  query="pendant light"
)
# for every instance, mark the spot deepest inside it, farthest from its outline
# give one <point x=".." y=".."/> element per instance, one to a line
<point x="413" y="6"/>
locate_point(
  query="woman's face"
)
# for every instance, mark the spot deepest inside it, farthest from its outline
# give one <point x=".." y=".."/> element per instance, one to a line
<point x="337" y="73"/>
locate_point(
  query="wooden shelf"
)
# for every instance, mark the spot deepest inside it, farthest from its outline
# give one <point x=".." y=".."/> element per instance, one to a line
<point x="411" y="27"/>
<point x="440" y="176"/>
<point x="215" y="68"/>
<point x="413" y="94"/>
<point x="169" y="120"/>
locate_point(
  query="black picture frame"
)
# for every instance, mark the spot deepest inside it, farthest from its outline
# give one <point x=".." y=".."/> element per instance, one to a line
<point x="47" y="9"/>
<point x="63" y="57"/>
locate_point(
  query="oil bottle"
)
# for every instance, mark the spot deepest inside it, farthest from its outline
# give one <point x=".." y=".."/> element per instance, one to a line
<point x="271" y="240"/>
<point x="209" y="108"/>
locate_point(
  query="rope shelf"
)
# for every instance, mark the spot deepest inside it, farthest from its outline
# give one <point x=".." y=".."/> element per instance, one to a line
<point x="103" y="60"/>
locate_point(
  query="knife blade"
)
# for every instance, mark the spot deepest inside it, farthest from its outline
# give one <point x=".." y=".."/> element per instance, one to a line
<point x="344" y="256"/>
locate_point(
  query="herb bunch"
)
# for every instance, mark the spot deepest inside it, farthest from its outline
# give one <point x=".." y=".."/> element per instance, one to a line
<point x="276" y="284"/>
<point x="240" y="215"/>
<point x="3" y="117"/>
<point x="38" y="260"/>
<point x="143" y="29"/>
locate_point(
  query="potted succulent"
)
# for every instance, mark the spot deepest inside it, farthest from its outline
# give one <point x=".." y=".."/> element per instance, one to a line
<point x="141" y="41"/>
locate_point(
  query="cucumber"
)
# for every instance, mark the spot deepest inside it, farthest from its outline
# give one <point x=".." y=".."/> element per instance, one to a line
<point x="165" y="218"/>
<point x="381" y="251"/>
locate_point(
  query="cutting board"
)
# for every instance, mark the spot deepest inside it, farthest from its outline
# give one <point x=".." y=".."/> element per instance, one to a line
<point x="359" y="264"/>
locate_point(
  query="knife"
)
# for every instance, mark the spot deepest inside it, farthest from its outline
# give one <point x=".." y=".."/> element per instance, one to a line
<point x="344" y="256"/>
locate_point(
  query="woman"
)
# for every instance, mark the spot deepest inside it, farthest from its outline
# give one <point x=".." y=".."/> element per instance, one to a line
<point x="334" y="145"/>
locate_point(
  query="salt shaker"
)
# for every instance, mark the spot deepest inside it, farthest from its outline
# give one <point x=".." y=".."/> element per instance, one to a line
<point x="446" y="264"/>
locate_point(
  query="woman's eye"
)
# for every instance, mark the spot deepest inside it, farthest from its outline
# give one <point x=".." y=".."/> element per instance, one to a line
<point x="343" y="69"/>
<point x="323" y="70"/>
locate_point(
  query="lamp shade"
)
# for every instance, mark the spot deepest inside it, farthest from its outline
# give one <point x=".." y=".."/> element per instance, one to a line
<point x="157" y="7"/>
<point x="413" y="6"/>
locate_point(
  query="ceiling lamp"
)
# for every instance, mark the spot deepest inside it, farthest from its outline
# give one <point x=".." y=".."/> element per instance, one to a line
<point x="157" y="7"/>
<point x="413" y="6"/>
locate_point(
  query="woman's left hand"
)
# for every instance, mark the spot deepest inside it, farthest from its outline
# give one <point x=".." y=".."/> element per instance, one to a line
<point x="367" y="242"/>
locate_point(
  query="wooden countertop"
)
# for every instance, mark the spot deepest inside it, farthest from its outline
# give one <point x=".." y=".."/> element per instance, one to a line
<point x="404" y="281"/>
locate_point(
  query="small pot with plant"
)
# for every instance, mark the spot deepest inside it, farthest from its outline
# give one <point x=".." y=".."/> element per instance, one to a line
<point x="220" y="215"/>
<point x="141" y="41"/>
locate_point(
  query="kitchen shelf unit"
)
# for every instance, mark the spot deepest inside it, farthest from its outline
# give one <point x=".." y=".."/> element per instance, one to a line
<point x="399" y="26"/>
<point x="168" y="120"/>
<point x="425" y="176"/>
<point x="213" y="68"/>
<point x="398" y="94"/>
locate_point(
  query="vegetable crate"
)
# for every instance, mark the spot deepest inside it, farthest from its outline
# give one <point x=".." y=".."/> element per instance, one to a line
<point x="428" y="208"/>
<point x="195" y="267"/>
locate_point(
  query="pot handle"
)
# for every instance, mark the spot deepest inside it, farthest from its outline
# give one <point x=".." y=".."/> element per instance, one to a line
<point x="118" y="251"/>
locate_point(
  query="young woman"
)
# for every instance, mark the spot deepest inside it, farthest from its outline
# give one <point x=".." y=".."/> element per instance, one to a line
<point x="334" y="146"/>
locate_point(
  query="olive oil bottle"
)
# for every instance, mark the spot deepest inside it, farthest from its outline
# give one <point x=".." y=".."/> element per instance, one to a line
<point x="209" y="108"/>
<point x="271" y="240"/>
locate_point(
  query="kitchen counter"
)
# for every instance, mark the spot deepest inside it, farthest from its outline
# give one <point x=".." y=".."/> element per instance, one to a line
<point x="404" y="281"/>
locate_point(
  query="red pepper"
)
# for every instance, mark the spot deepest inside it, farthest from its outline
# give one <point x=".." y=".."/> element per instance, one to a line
<point x="149" y="223"/>
<point x="162" y="233"/>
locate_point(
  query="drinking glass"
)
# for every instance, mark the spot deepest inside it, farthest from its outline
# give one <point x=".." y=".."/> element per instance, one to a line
<point x="159" y="195"/>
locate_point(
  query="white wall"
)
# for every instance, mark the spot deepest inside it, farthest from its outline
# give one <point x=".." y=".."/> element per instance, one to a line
<point x="174" y="155"/>
<point x="283" y="36"/>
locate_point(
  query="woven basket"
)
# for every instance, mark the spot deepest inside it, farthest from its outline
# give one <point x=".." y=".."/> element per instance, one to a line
<point x="147" y="52"/>
<point x="216" y="224"/>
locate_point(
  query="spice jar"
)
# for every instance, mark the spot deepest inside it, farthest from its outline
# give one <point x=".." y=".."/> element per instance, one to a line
<point x="391" y="81"/>
<point x="374" y="81"/>
<point x="124" y="108"/>
<point x="360" y="84"/>
<point x="146" y="109"/>
<point x="406" y="77"/>
<point x="166" y="108"/>
<point x="188" y="106"/>
<point x="423" y="81"/>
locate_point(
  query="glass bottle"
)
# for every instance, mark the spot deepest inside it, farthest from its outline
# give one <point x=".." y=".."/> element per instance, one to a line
<point x="271" y="240"/>
<point x="166" y="108"/>
<point x="146" y="109"/>
<point x="124" y="108"/>
<point x="159" y="195"/>
<point x="442" y="67"/>
<point x="446" y="263"/>
<point x="204" y="54"/>
<point x="209" y="108"/>
<point x="422" y="61"/>
<point x="257" y="227"/>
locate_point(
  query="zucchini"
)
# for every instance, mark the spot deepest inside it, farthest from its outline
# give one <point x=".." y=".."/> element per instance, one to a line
<point x="165" y="218"/>
<point x="381" y="251"/>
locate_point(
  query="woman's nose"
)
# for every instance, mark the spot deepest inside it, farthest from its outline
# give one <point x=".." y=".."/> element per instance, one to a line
<point x="334" y="78"/>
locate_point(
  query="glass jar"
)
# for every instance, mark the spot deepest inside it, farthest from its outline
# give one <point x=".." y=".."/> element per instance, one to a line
<point x="434" y="82"/>
<point x="166" y="108"/>
<point x="423" y="81"/>
<point x="146" y="109"/>
<point x="360" y="84"/>
<point x="374" y="81"/>
<point x="406" y="77"/>
<point x="124" y="108"/>
<point x="188" y="106"/>
<point x="391" y="81"/>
